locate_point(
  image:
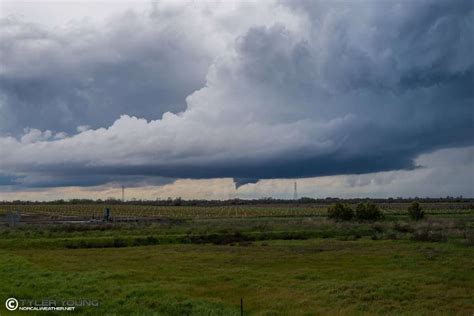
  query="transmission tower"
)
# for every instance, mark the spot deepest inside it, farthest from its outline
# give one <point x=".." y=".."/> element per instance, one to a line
<point x="295" y="192"/>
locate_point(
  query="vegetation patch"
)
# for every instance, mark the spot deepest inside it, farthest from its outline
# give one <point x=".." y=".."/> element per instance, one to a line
<point x="340" y="212"/>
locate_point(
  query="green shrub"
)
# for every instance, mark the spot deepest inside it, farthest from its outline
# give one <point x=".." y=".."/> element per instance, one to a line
<point x="469" y="237"/>
<point x="428" y="235"/>
<point x="340" y="212"/>
<point x="415" y="211"/>
<point x="368" y="212"/>
<point x="403" y="228"/>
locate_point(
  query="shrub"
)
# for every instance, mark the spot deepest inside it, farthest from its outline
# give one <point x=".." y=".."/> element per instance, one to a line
<point x="428" y="235"/>
<point x="469" y="235"/>
<point x="368" y="212"/>
<point x="403" y="228"/>
<point x="415" y="211"/>
<point x="378" y="228"/>
<point x="340" y="212"/>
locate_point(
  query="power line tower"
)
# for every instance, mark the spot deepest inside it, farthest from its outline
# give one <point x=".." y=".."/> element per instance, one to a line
<point x="123" y="193"/>
<point x="295" y="192"/>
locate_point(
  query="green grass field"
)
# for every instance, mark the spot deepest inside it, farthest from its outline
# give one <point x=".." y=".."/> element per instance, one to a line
<point x="277" y="265"/>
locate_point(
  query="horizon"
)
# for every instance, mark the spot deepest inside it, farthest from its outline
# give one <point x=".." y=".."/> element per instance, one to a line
<point x="301" y="200"/>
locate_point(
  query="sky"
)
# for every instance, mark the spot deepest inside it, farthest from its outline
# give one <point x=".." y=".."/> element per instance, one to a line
<point x="236" y="99"/>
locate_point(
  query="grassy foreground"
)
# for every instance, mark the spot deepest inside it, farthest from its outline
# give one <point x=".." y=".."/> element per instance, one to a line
<point x="275" y="277"/>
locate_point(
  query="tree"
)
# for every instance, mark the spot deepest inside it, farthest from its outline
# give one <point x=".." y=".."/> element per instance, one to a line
<point x="415" y="211"/>
<point x="368" y="212"/>
<point x="340" y="212"/>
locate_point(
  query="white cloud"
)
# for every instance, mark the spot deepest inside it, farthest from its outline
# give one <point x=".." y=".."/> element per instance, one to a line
<point x="83" y="128"/>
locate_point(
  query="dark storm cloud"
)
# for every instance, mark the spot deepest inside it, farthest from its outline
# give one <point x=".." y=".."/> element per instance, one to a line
<point x="352" y="88"/>
<point x="136" y="64"/>
<point x="48" y="181"/>
<point x="7" y="180"/>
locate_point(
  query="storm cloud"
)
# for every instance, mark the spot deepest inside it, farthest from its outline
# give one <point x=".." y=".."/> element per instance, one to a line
<point x="301" y="89"/>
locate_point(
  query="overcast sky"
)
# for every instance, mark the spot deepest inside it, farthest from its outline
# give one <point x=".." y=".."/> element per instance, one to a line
<point x="226" y="99"/>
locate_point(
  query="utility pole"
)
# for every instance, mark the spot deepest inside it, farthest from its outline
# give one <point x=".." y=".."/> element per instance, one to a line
<point x="295" y="192"/>
<point x="123" y="193"/>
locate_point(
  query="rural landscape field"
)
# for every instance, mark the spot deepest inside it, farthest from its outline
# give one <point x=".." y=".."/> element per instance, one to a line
<point x="278" y="258"/>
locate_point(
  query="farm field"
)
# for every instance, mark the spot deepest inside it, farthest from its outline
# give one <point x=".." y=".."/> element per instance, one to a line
<point x="226" y="211"/>
<point x="278" y="263"/>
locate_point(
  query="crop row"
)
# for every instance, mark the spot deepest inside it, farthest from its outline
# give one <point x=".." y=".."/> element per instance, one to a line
<point x="96" y="210"/>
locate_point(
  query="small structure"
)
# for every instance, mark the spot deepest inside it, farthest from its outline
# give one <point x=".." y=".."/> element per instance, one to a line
<point x="106" y="214"/>
<point x="13" y="217"/>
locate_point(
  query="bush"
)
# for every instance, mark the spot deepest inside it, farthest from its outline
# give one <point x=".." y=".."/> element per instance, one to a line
<point x="469" y="235"/>
<point x="428" y="235"/>
<point x="415" y="211"/>
<point x="403" y="228"/>
<point x="340" y="212"/>
<point x="368" y="212"/>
